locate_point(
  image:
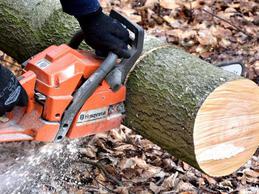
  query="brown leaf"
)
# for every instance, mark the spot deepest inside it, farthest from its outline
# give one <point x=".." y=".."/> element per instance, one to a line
<point x="169" y="182"/>
<point x="186" y="166"/>
<point x="220" y="32"/>
<point x="130" y="173"/>
<point x="121" y="190"/>
<point x="205" y="37"/>
<point x="169" y="4"/>
<point x="124" y="147"/>
<point x="101" y="144"/>
<point x="147" y="144"/>
<point x="211" y="180"/>
<point x="88" y="151"/>
<point x="168" y="164"/>
<point x="117" y="134"/>
<point x="153" y="171"/>
<point x="256" y="68"/>
<point x="185" y="186"/>
<point x="201" y="49"/>
<point x="187" y="192"/>
<point x="201" y="182"/>
<point x="151" y="3"/>
<point x="256" y="20"/>
<point x="188" y="38"/>
<point x="100" y="177"/>
<point x="144" y="192"/>
<point x="132" y="163"/>
<point x="252" y="176"/>
<point x="174" y="23"/>
<point x="153" y="187"/>
<point x="252" y="72"/>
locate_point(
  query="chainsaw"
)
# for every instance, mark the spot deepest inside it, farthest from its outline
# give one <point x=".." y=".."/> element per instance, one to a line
<point x="72" y="93"/>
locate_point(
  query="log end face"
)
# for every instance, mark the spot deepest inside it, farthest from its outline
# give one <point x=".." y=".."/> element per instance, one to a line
<point x="226" y="131"/>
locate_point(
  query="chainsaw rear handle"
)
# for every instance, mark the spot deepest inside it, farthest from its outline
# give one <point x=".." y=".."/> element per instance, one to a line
<point x="118" y="75"/>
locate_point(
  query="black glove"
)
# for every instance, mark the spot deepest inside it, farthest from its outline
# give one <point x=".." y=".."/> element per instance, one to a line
<point x="104" y="34"/>
<point x="11" y="92"/>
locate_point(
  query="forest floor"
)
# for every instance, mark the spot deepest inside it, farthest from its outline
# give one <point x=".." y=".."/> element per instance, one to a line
<point x="121" y="161"/>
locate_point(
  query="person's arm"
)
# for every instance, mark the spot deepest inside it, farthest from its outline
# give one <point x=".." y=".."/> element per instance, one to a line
<point x="102" y="32"/>
<point x="80" y="7"/>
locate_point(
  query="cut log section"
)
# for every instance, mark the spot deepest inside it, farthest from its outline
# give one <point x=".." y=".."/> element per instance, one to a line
<point x="225" y="131"/>
<point x="204" y="115"/>
<point x="197" y="112"/>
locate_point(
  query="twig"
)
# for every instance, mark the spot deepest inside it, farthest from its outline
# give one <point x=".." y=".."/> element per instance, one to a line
<point x="103" y="170"/>
<point x="224" y="20"/>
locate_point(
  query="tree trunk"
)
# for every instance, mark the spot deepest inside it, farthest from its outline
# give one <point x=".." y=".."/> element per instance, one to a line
<point x="200" y="113"/>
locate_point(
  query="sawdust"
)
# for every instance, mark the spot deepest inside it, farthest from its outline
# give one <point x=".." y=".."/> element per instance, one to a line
<point x="35" y="167"/>
<point x="215" y="153"/>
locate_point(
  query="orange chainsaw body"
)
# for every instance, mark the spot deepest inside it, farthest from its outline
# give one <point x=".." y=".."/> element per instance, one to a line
<point x="50" y="78"/>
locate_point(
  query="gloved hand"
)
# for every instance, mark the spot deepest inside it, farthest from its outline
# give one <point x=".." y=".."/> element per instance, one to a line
<point x="104" y="34"/>
<point x="11" y="92"/>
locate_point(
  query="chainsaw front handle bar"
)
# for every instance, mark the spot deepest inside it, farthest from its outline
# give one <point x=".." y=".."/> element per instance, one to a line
<point x="83" y="93"/>
<point x="116" y="73"/>
<point x="117" y="76"/>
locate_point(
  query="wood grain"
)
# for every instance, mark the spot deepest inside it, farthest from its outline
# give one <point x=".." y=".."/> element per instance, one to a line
<point x="226" y="130"/>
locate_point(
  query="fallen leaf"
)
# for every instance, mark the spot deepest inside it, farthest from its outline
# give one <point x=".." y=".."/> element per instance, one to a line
<point x="205" y="37"/>
<point x="124" y="147"/>
<point x="151" y="3"/>
<point x="169" y="4"/>
<point x="153" y="187"/>
<point x="169" y="182"/>
<point x="185" y="186"/>
<point x="88" y="151"/>
<point x="210" y="180"/>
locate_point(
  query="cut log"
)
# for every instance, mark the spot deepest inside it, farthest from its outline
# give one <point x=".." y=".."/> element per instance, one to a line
<point x="197" y="112"/>
<point x="225" y="128"/>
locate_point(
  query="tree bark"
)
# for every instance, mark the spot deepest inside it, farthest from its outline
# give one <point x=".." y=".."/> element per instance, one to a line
<point x="27" y="27"/>
<point x="171" y="94"/>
